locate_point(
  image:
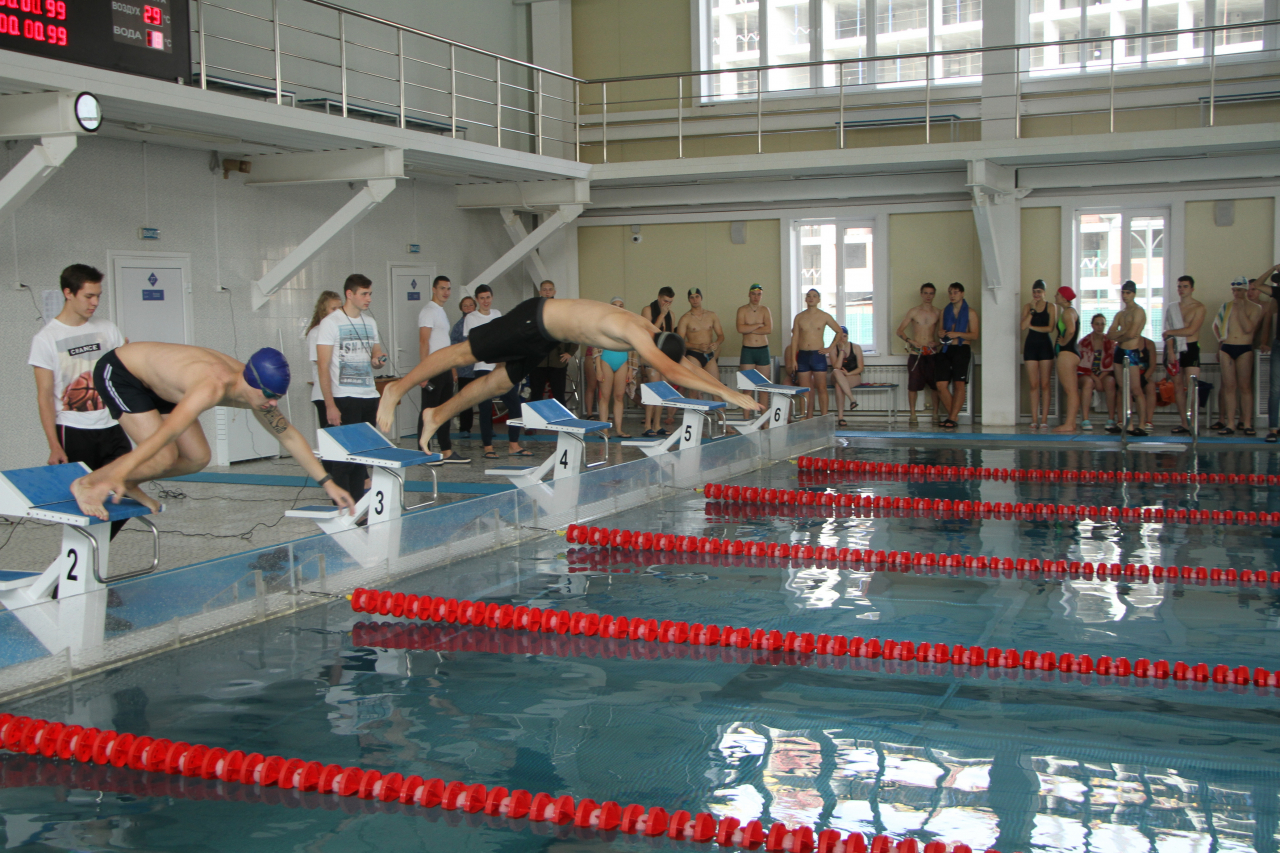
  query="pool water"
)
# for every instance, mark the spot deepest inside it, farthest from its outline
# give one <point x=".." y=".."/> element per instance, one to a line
<point x="1041" y="763"/>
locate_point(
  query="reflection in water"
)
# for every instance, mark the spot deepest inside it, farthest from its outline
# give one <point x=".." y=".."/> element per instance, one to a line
<point x="1037" y="764"/>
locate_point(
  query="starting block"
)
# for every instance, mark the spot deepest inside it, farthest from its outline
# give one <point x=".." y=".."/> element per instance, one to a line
<point x="65" y="604"/>
<point x="693" y="412"/>
<point x="552" y="416"/>
<point x="561" y="494"/>
<point x="361" y="444"/>
<point x="780" y="396"/>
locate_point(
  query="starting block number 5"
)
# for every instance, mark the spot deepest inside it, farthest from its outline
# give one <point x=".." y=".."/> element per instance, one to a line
<point x="688" y="432"/>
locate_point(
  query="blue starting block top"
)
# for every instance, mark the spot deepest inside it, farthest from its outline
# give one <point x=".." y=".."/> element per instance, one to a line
<point x="754" y="380"/>
<point x="45" y="493"/>
<point x="662" y="394"/>
<point x="365" y="445"/>
<point x="552" y="415"/>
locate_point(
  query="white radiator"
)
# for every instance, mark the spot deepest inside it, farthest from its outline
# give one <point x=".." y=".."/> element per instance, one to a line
<point x="238" y="436"/>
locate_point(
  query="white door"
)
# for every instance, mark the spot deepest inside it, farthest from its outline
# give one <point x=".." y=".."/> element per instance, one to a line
<point x="150" y="296"/>
<point x="410" y="292"/>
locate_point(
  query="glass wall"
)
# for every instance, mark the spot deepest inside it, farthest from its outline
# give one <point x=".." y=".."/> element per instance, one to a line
<point x="1116" y="246"/>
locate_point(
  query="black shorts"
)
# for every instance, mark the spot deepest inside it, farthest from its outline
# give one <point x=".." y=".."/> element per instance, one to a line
<point x="94" y="447"/>
<point x="1038" y="347"/>
<point x="518" y="340"/>
<point x="704" y="358"/>
<point x="123" y="392"/>
<point x="1190" y="357"/>
<point x="952" y="365"/>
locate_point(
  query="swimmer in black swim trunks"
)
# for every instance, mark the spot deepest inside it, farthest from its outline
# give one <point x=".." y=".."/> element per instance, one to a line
<point x="702" y="334"/>
<point x="517" y="341"/>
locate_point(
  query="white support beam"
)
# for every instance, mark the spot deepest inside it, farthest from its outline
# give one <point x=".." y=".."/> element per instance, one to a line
<point x="521" y="250"/>
<point x="30" y="173"/>
<point x="38" y="114"/>
<point x="515" y="229"/>
<point x="525" y="195"/>
<point x="369" y="197"/>
<point x="319" y="167"/>
<point x="997" y="217"/>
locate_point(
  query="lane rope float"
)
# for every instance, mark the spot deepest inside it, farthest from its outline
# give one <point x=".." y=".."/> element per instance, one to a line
<point x="92" y="746"/>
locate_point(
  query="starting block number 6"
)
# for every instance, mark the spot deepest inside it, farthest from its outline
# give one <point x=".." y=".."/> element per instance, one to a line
<point x="777" y="414"/>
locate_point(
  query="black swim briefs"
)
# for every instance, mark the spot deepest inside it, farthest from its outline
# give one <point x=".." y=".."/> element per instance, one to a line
<point x="517" y="339"/>
<point x="124" y="393"/>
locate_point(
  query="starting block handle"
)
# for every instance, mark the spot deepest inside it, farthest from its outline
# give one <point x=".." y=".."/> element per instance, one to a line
<point x="93" y="547"/>
<point x="435" y="489"/>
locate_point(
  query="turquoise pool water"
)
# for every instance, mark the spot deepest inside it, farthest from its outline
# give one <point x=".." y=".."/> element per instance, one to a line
<point x="1041" y="763"/>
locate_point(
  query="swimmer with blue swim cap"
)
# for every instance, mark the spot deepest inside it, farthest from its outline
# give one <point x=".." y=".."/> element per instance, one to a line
<point x="157" y="393"/>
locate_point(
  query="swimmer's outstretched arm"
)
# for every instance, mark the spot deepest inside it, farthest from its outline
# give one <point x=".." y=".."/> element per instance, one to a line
<point x="297" y="446"/>
<point x="91" y="490"/>
<point x="699" y="380"/>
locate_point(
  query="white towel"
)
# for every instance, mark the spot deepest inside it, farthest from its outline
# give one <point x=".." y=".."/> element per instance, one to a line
<point x="1173" y="317"/>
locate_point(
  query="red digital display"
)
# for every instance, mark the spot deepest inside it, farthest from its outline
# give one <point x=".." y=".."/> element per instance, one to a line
<point x="148" y="37"/>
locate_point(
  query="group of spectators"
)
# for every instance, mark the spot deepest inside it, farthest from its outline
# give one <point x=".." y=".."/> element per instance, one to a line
<point x="1159" y="374"/>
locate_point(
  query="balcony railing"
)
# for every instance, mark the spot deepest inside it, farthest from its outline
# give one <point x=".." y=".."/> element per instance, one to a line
<point x="313" y="54"/>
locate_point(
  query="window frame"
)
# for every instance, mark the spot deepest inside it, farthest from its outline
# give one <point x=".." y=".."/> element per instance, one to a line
<point x="1127" y="214"/>
<point x="877" y="257"/>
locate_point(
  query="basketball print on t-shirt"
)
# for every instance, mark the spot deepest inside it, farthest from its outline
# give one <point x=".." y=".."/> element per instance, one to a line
<point x="80" y="395"/>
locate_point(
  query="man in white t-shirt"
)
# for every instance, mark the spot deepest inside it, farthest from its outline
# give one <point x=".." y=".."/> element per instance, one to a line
<point x="484" y="313"/>
<point x="347" y="351"/>
<point x="76" y="423"/>
<point x="433" y="334"/>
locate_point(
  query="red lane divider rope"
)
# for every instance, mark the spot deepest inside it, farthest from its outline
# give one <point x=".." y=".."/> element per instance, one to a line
<point x="92" y="746"/>
<point x="969" y="509"/>
<point x="607" y="557"/>
<point x="826" y="465"/>
<point x="432" y="637"/>
<point x="493" y="615"/>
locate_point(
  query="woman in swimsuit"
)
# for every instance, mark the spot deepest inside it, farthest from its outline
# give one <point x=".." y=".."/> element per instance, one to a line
<point x="1068" y="328"/>
<point x="849" y="364"/>
<point x="1096" y="370"/>
<point x="1037" y="352"/>
<point x="613" y="371"/>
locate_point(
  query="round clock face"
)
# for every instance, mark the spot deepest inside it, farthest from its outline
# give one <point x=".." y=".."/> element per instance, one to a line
<point x="88" y="112"/>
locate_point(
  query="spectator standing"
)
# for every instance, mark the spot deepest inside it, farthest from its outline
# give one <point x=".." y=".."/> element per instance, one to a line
<point x="347" y="352"/>
<point x="467" y="373"/>
<point x="433" y="334"/>
<point x="76" y="423"/>
<point x="485" y="313"/>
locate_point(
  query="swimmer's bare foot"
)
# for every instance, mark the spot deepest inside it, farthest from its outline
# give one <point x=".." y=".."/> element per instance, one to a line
<point x="427" y="427"/>
<point x="91" y="498"/>
<point x="135" y="491"/>
<point x="387" y="412"/>
<point x="1065" y="428"/>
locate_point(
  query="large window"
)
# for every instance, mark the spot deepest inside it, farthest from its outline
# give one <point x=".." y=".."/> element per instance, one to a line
<point x="746" y="33"/>
<point x="836" y="257"/>
<point x="1113" y="247"/>
<point x="1128" y="20"/>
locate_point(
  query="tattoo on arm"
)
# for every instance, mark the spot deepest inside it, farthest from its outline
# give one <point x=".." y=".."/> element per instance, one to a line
<point x="275" y="422"/>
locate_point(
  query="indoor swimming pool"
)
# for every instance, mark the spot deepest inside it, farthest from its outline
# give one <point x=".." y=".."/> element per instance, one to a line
<point x="1000" y="757"/>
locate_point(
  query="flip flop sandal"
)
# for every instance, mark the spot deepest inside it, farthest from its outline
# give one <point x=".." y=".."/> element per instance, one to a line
<point x="1250" y="431"/>
<point x="842" y="422"/>
<point x="1180" y="430"/>
<point x="521" y="452"/>
<point x="623" y="435"/>
<point x="1217" y="425"/>
<point x="1271" y="438"/>
<point x="949" y="424"/>
<point x="1226" y="431"/>
<point x="491" y="455"/>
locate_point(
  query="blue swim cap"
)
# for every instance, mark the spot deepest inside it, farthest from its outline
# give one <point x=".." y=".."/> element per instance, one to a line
<point x="268" y="371"/>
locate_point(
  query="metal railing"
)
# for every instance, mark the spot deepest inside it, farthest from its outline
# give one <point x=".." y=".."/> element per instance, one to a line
<point x="848" y="95"/>
<point x="318" y="55"/>
<point x="314" y="54"/>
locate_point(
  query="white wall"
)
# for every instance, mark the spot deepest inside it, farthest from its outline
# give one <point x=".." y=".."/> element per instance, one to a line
<point x="109" y="188"/>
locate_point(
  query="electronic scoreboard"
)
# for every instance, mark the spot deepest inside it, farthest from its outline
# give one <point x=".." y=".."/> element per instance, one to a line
<point x="148" y="37"/>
